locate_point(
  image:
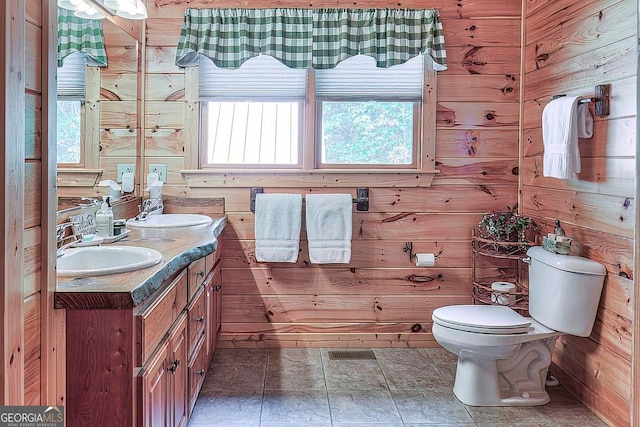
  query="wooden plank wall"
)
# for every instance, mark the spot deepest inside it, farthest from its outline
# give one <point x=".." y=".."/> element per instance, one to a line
<point x="570" y="46"/>
<point x="380" y="299"/>
<point x="32" y="275"/>
<point x="116" y="105"/>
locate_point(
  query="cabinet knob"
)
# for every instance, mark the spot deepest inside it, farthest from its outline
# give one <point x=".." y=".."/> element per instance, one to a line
<point x="201" y="372"/>
<point x="200" y="273"/>
<point x="217" y="288"/>
<point x="199" y="319"/>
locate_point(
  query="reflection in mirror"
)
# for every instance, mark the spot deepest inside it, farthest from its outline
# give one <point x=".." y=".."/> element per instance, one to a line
<point x="97" y="119"/>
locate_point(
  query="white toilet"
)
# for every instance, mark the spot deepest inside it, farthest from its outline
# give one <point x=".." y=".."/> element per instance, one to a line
<point x="503" y="357"/>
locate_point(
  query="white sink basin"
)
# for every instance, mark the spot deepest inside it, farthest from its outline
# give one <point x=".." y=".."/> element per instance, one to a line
<point x="101" y="260"/>
<point x="171" y="221"/>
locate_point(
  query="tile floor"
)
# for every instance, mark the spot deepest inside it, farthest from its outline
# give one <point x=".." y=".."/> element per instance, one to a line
<point x="403" y="387"/>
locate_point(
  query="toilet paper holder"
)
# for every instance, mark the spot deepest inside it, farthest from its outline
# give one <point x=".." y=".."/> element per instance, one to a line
<point x="408" y="249"/>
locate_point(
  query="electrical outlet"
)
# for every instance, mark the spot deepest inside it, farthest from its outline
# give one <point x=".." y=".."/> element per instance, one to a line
<point x="161" y="170"/>
<point x="125" y="168"/>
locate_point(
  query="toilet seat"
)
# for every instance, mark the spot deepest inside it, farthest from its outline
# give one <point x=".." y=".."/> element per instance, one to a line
<point x="484" y="319"/>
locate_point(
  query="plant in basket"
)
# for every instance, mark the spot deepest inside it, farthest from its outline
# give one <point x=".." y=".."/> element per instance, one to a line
<point x="507" y="226"/>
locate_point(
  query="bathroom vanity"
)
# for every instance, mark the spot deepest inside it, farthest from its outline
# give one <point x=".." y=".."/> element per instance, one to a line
<point x="138" y="344"/>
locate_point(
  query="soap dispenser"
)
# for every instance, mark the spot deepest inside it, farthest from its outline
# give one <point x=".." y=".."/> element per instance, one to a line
<point x="104" y="219"/>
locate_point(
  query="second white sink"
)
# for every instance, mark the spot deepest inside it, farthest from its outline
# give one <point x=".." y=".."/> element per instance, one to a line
<point x="102" y="260"/>
<point x="171" y="221"/>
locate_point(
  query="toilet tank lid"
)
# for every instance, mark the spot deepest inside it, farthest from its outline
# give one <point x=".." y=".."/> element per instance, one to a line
<point x="574" y="264"/>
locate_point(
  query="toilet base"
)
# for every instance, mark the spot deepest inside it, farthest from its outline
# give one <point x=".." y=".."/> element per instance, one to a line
<point x="518" y="380"/>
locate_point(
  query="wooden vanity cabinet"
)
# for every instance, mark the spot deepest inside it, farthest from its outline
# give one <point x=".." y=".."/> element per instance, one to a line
<point x="214" y="309"/>
<point x="203" y="321"/>
<point x="162" y="383"/>
<point x="144" y="366"/>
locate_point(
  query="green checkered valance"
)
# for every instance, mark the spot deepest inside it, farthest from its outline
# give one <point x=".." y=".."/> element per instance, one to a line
<point x="310" y="38"/>
<point x="80" y="35"/>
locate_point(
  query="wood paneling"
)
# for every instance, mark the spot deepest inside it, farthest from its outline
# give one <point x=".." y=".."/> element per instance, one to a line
<point x="447" y="8"/>
<point x="32" y="338"/>
<point x="476" y="152"/>
<point x="12" y="172"/>
<point x="570" y="46"/>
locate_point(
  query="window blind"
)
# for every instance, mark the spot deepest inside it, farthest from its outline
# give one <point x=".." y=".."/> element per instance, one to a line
<point x="71" y="78"/>
<point x="358" y="78"/>
<point x="259" y="78"/>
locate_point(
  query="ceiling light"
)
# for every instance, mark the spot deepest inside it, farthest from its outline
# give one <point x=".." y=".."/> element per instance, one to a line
<point x="139" y="11"/>
<point x="130" y="9"/>
<point x="86" y="11"/>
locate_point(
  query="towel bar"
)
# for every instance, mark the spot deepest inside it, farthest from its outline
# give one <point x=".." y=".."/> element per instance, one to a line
<point x="361" y="200"/>
<point x="600" y="99"/>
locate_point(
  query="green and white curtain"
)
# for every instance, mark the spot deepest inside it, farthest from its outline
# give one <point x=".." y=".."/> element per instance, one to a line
<point x="80" y="35"/>
<point x="310" y="38"/>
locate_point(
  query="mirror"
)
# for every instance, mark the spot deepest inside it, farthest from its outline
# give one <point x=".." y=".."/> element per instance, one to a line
<point x="109" y="125"/>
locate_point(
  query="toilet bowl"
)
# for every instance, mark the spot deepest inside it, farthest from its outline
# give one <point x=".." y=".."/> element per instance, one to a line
<point x="503" y="357"/>
<point x="496" y="367"/>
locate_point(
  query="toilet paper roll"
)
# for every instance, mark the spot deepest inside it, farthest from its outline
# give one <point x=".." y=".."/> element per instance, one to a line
<point x="506" y="295"/>
<point x="425" y="260"/>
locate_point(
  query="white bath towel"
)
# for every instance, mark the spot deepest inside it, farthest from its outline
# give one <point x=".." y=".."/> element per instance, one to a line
<point x="563" y="122"/>
<point x="278" y="220"/>
<point x="329" y="228"/>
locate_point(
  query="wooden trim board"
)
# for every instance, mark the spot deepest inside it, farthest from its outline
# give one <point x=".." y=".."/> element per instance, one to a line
<point x="12" y="177"/>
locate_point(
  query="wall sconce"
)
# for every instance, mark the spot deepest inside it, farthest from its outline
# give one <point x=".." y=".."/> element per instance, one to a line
<point x="129" y="9"/>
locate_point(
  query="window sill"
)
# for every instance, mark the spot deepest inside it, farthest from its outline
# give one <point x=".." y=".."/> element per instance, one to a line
<point x="202" y="178"/>
<point x="70" y="177"/>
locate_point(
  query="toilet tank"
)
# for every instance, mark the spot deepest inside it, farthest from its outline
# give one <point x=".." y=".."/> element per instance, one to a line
<point x="564" y="291"/>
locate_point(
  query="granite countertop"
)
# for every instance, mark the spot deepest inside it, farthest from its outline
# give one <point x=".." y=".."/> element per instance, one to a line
<point x="179" y="248"/>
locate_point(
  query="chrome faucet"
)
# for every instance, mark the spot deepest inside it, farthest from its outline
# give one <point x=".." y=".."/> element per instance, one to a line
<point x="149" y="207"/>
<point x="61" y="249"/>
<point x="61" y="236"/>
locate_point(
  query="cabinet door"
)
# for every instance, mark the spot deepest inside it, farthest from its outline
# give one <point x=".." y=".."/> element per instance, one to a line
<point x="214" y="306"/>
<point x="209" y="332"/>
<point x="177" y="367"/>
<point x="154" y="391"/>
<point x="218" y="305"/>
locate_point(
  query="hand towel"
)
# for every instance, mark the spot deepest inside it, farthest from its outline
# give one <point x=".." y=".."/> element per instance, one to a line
<point x="277" y="226"/>
<point x="563" y="121"/>
<point x="329" y="228"/>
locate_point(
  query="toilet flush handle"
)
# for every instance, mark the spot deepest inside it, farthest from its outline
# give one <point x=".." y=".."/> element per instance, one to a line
<point x="527" y="260"/>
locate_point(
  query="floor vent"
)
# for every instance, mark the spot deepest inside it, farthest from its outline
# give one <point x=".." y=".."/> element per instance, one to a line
<point x="352" y="355"/>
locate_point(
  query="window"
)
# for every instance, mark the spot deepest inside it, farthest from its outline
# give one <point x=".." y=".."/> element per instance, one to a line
<point x="367" y="115"/>
<point x="69" y="132"/>
<point x="355" y="116"/>
<point x="71" y="95"/>
<point x="253" y="115"/>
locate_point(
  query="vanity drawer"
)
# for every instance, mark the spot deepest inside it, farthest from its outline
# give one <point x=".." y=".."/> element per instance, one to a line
<point x="153" y="323"/>
<point x="197" y="371"/>
<point x="197" y="320"/>
<point x="197" y="273"/>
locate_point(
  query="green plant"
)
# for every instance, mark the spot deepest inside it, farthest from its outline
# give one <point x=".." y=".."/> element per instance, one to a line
<point x="506" y="226"/>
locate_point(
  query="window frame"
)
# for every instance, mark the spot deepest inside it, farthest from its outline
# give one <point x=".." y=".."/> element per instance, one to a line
<point x="309" y="144"/>
<point x="81" y="163"/>
<point x="89" y="122"/>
